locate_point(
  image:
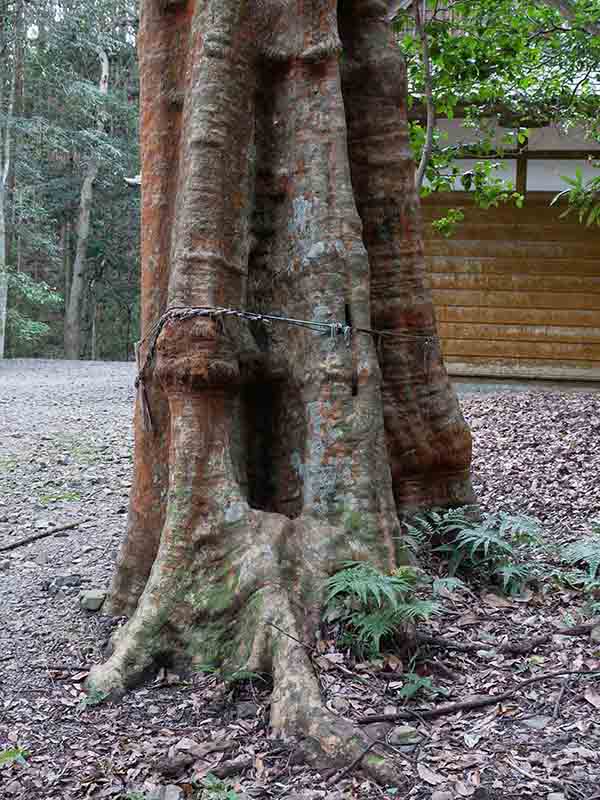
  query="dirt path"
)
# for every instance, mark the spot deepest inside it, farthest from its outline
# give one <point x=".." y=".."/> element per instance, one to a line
<point x="65" y="455"/>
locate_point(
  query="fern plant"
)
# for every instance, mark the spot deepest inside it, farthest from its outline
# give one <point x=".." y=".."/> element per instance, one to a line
<point x="491" y="545"/>
<point x="214" y="788"/>
<point x="585" y="556"/>
<point x="373" y="606"/>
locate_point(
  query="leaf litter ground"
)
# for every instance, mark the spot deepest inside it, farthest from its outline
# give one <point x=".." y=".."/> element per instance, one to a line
<point x="65" y="456"/>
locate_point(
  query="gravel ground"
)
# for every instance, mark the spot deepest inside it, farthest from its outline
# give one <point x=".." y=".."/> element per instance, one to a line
<point x="65" y="456"/>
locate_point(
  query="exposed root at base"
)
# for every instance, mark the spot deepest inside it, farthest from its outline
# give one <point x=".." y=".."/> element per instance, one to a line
<point x="297" y="708"/>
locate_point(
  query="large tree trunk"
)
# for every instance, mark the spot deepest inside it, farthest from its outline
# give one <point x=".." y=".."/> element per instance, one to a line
<point x="276" y="178"/>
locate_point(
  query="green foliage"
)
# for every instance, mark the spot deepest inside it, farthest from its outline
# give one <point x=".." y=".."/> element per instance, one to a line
<point x="416" y="684"/>
<point x="502" y="62"/>
<point x="373" y="606"/>
<point x="61" y="122"/>
<point x="491" y="546"/>
<point x="94" y="697"/>
<point x="449" y="584"/>
<point x="13" y="755"/>
<point x="448" y="224"/>
<point x="67" y="495"/>
<point x="29" y="299"/>
<point x="215" y="789"/>
<point x="360" y="580"/>
<point x="583" y="197"/>
<point x="585" y="554"/>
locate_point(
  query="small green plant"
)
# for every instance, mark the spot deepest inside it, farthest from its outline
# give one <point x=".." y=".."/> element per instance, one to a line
<point x="214" y="788"/>
<point x="373" y="606"/>
<point x="448" y="224"/>
<point x="495" y="546"/>
<point x="583" y="197"/>
<point x="584" y="555"/>
<point x="416" y="684"/>
<point x="13" y="755"/>
<point x="93" y="698"/>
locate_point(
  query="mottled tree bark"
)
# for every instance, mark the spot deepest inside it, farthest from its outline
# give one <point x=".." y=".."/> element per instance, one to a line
<point x="276" y="178"/>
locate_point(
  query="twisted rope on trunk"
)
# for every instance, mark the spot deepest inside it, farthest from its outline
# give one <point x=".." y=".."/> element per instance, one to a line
<point x="333" y="329"/>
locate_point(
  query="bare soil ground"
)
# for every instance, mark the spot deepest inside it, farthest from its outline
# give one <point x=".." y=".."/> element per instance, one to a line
<point x="65" y="456"/>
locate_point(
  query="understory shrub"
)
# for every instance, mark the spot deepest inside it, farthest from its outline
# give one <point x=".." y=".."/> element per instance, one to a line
<point x="372" y="606"/>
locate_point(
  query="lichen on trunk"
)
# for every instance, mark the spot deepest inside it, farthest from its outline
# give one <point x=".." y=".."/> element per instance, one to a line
<point x="277" y="179"/>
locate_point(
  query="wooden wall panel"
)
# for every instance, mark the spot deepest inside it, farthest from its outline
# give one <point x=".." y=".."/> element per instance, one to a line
<point x="523" y="333"/>
<point x="516" y="282"/>
<point x="518" y="316"/>
<point x="511" y="248"/>
<point x="517" y="291"/>
<point x="510" y="266"/>
<point x="539" y="300"/>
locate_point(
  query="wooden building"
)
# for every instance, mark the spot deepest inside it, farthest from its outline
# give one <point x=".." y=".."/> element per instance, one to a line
<point x="517" y="290"/>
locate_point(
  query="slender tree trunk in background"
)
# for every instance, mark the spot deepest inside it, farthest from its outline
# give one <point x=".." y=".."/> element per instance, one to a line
<point x="65" y="249"/>
<point x="94" y="304"/>
<point x="276" y="178"/>
<point x="12" y="231"/>
<point x="3" y="265"/>
<point x="73" y="302"/>
<point x="6" y="149"/>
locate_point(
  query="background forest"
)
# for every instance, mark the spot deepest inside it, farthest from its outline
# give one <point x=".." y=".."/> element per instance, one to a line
<point x="69" y="230"/>
<point x="69" y="222"/>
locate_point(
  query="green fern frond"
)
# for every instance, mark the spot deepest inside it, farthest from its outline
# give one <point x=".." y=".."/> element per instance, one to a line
<point x="514" y="577"/>
<point x="587" y="552"/>
<point x="416" y="610"/>
<point x="363" y="582"/>
<point x="481" y="540"/>
<point x="521" y="528"/>
<point x="449" y="584"/>
<point x="371" y="627"/>
<point x="372" y="606"/>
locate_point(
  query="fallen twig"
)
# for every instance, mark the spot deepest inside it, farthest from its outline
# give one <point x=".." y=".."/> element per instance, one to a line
<point x="445" y="671"/>
<point x="450" y="644"/>
<point x="63" y="667"/>
<point x="42" y="535"/>
<point x="469" y="705"/>
<point x="521" y="648"/>
<point x="549" y="781"/>
<point x="514" y="648"/>
<point x="563" y="689"/>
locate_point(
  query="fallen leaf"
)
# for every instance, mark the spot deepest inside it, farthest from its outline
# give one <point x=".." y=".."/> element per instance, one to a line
<point x="393" y="663"/>
<point x="429" y="776"/>
<point x="538" y="723"/>
<point x="592" y="697"/>
<point x="462" y="790"/>
<point x="496" y="601"/>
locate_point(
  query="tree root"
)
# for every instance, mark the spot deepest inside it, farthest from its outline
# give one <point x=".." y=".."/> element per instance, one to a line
<point x="265" y="624"/>
<point x="511" y="647"/>
<point x="470" y="705"/>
